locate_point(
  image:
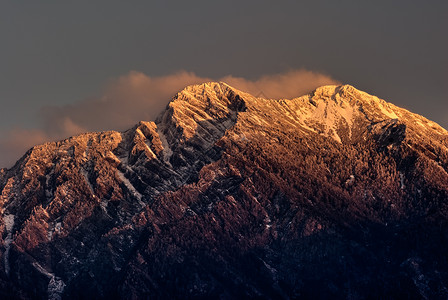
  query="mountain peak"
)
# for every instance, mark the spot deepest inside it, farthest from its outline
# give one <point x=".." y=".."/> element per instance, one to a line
<point x="346" y="92"/>
<point x="226" y="183"/>
<point x="202" y="105"/>
<point x="207" y="86"/>
<point x="206" y="90"/>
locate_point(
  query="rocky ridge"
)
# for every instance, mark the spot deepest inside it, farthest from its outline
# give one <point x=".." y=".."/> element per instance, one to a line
<point x="332" y="194"/>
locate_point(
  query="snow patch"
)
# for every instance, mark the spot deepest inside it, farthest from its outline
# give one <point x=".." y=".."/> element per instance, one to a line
<point x="350" y="180"/>
<point x="129" y="186"/>
<point x="8" y="220"/>
<point x="48" y="193"/>
<point x="104" y="204"/>
<point x="268" y="222"/>
<point x="122" y="160"/>
<point x="147" y="142"/>
<point x="148" y="146"/>
<point x="55" y="285"/>
<point x="55" y="288"/>
<point x="86" y="178"/>
<point x="87" y="150"/>
<point x="140" y="133"/>
<point x="85" y="174"/>
<point x="50" y="232"/>
<point x="52" y="229"/>
<point x="167" y="152"/>
<point x="329" y="114"/>
<point x="387" y="111"/>
<point x="402" y="185"/>
<point x="42" y="270"/>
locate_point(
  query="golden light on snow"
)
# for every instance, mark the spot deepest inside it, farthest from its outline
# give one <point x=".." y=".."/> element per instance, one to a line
<point x="135" y="97"/>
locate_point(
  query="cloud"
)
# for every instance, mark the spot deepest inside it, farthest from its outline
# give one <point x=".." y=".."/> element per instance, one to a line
<point x="15" y="142"/>
<point x="124" y="101"/>
<point x="282" y="86"/>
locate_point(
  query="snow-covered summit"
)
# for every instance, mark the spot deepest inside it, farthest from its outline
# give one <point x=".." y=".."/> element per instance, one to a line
<point x="219" y="173"/>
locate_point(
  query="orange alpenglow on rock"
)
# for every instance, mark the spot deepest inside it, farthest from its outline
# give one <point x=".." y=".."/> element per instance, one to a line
<point x="336" y="193"/>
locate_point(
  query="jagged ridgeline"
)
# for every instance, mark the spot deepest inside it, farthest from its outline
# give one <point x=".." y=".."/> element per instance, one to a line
<point x="335" y="194"/>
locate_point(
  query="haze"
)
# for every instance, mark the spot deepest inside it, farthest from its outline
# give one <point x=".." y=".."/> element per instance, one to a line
<point x="80" y="66"/>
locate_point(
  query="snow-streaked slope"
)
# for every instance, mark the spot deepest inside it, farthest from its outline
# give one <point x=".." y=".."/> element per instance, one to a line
<point x="228" y="171"/>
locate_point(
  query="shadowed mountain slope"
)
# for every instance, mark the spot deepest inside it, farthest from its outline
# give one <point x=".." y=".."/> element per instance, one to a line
<point x="335" y="194"/>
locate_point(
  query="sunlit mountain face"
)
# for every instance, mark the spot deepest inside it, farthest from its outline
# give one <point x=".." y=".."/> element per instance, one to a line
<point x="335" y="194"/>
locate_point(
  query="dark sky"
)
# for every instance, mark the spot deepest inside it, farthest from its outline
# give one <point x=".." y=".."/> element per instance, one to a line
<point x="56" y="53"/>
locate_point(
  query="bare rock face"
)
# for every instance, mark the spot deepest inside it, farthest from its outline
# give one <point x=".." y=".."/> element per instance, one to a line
<point x="335" y="194"/>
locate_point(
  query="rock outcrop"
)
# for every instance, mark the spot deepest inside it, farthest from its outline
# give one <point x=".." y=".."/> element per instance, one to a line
<point x="335" y="194"/>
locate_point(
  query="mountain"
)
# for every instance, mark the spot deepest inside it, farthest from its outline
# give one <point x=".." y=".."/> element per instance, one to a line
<point x="335" y="194"/>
